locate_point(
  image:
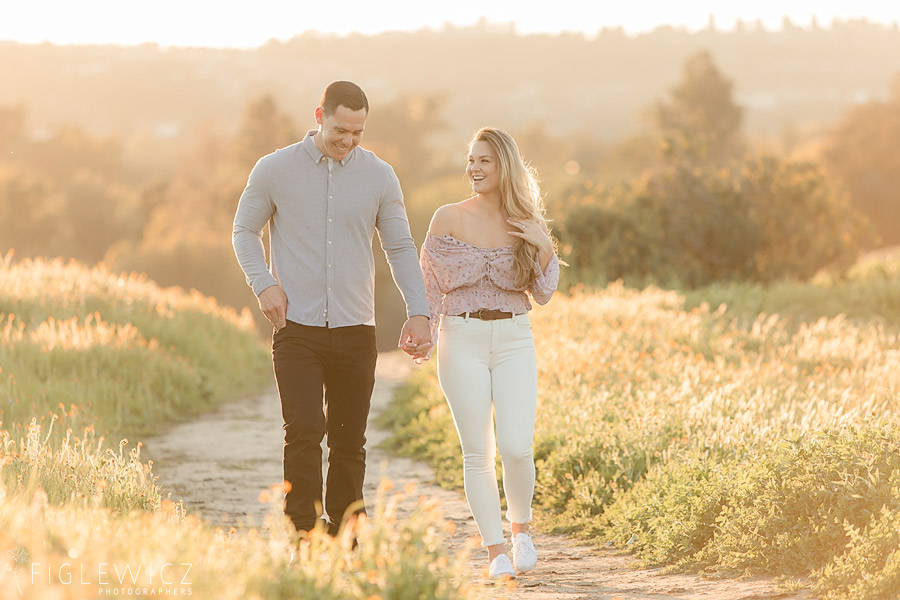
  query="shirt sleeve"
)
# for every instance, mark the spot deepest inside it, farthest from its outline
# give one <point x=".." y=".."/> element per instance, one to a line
<point x="546" y="281"/>
<point x="400" y="248"/>
<point x="254" y="210"/>
<point x="432" y="290"/>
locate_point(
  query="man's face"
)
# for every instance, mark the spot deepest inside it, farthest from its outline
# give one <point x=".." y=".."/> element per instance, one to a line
<point x="341" y="131"/>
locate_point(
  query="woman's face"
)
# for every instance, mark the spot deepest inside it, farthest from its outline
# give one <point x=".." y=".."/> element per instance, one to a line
<point x="483" y="169"/>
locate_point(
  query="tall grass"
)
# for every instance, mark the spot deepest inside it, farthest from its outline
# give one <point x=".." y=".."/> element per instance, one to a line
<point x="116" y="351"/>
<point x="77" y="470"/>
<point x="88" y="356"/>
<point x="80" y="553"/>
<point x="709" y="435"/>
<point x="868" y="294"/>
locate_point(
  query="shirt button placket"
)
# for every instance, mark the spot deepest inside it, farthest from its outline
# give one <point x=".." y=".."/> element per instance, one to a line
<point x="329" y="236"/>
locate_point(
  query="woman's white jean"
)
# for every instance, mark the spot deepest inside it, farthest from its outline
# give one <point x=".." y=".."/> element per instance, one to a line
<point x="488" y="368"/>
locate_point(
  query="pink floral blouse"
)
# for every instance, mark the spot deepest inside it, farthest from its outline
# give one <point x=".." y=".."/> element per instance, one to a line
<point x="461" y="277"/>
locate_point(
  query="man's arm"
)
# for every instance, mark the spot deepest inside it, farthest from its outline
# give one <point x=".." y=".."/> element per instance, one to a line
<point x="255" y="208"/>
<point x="400" y="249"/>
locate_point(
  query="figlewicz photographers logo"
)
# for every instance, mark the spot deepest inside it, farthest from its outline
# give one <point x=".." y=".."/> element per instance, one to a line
<point x="109" y="579"/>
<point x="118" y="579"/>
<point x="17" y="558"/>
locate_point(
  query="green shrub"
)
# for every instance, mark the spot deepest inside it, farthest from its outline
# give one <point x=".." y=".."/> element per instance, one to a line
<point x="870" y="566"/>
<point x="671" y="514"/>
<point x="787" y="511"/>
<point x="761" y="220"/>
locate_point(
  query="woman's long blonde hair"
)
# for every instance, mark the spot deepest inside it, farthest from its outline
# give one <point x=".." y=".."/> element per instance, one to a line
<point x="520" y="196"/>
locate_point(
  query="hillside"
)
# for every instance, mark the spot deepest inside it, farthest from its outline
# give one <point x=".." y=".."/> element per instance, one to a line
<point x="797" y="76"/>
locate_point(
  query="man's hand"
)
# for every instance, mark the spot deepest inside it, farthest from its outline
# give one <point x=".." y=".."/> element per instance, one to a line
<point x="415" y="337"/>
<point x="273" y="304"/>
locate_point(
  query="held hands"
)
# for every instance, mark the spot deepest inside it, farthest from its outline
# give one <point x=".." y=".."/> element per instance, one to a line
<point x="415" y="338"/>
<point x="273" y="304"/>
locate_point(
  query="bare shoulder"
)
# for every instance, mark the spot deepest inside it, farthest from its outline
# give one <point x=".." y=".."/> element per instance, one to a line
<point x="446" y="219"/>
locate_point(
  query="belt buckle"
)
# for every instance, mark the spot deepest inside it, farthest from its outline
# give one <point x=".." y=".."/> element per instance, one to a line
<point x="479" y="313"/>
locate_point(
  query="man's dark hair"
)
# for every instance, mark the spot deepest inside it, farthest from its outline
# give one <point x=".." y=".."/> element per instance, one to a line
<point x="343" y="93"/>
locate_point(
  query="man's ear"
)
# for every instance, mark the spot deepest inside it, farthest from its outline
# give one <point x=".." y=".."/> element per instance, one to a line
<point x="320" y="112"/>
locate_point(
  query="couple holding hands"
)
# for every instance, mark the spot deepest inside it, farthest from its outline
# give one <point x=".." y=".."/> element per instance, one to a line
<point x="467" y="295"/>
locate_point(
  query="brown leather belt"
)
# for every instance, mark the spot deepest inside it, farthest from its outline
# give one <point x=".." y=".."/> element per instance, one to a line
<point x="487" y="315"/>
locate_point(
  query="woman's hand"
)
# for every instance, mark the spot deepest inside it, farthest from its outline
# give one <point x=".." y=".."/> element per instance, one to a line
<point x="533" y="233"/>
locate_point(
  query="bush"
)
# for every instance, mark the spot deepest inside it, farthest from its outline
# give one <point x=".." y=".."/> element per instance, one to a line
<point x="762" y="220"/>
<point x="870" y="567"/>
<point x="789" y="508"/>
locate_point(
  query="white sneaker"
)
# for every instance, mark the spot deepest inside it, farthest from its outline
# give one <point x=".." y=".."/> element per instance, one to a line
<point x="524" y="554"/>
<point x="501" y="567"/>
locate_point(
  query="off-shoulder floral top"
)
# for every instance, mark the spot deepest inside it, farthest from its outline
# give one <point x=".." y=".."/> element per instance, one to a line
<point x="461" y="277"/>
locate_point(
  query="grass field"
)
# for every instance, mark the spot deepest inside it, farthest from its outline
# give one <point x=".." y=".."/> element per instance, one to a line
<point x="735" y="429"/>
<point x="117" y="352"/>
<point x="88" y="357"/>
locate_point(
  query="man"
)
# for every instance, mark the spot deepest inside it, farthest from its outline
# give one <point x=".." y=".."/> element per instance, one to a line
<point x="322" y="199"/>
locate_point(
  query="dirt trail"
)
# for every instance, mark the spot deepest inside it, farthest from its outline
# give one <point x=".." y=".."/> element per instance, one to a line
<point x="218" y="464"/>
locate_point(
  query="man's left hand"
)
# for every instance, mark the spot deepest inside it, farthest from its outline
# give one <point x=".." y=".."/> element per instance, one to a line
<point x="415" y="337"/>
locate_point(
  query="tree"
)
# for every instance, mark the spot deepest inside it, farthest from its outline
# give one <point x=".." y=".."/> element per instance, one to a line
<point x="71" y="150"/>
<point x="264" y="129"/>
<point x="93" y="215"/>
<point x="700" y="122"/>
<point x="26" y="213"/>
<point x="401" y="132"/>
<point x="862" y="152"/>
<point x="11" y="128"/>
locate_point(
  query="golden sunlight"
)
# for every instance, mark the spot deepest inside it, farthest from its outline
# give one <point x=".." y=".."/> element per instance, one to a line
<point x="228" y="24"/>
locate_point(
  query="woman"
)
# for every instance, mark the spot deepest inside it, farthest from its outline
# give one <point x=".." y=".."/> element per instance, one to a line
<point x="481" y="259"/>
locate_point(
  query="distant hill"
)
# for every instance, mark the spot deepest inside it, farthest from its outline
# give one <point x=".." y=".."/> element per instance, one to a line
<point x="794" y="77"/>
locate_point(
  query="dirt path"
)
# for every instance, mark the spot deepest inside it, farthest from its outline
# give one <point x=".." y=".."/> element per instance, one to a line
<point x="219" y="463"/>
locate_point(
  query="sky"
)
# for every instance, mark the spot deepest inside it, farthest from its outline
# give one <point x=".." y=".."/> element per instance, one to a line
<point x="251" y="23"/>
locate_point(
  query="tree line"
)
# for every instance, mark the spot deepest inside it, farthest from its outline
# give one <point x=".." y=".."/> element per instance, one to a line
<point x="688" y="201"/>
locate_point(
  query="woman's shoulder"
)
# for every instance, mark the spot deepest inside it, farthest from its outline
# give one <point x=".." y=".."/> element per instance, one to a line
<point x="447" y="219"/>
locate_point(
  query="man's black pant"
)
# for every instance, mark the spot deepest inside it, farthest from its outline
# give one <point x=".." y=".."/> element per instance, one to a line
<point x="340" y="362"/>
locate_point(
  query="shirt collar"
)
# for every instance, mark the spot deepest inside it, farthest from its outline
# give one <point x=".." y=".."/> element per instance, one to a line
<point x="309" y="144"/>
